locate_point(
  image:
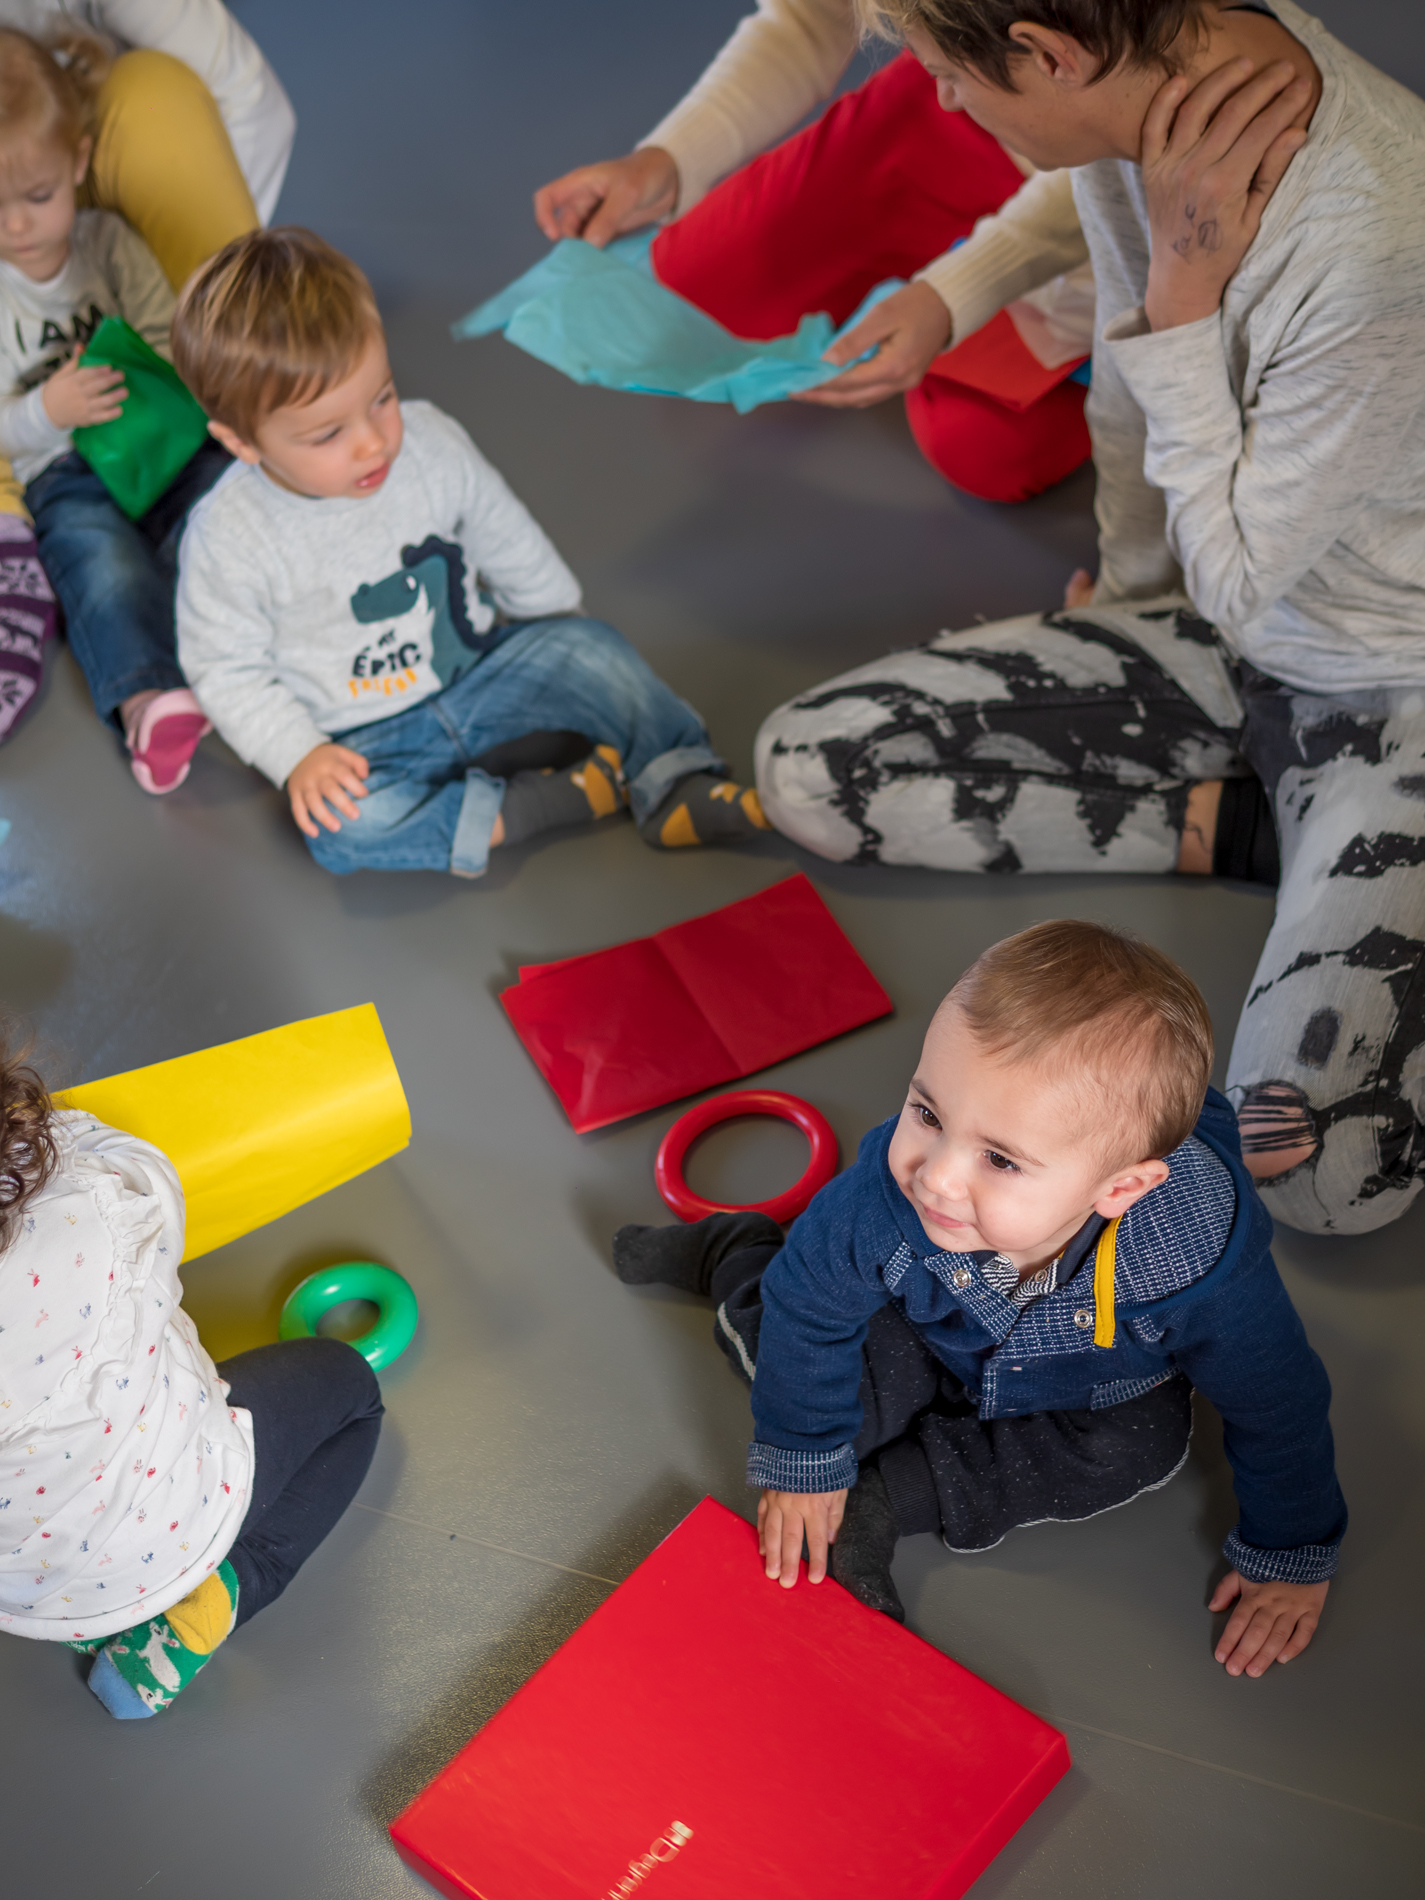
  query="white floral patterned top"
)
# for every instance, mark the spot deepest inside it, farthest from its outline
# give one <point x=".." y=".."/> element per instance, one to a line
<point x="124" y="1474"/>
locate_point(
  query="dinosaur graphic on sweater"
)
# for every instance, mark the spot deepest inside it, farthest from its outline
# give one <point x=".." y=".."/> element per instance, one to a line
<point x="425" y="604"/>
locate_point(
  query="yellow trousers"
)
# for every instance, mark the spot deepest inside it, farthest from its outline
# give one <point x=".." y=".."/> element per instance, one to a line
<point x="163" y="160"/>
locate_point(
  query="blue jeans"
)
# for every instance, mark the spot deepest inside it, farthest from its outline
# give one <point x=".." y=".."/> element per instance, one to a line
<point x="430" y="807"/>
<point x="114" y="577"/>
<point x="316" y="1415"/>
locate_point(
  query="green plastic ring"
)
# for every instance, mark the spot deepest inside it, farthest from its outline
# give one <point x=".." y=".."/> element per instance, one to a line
<point x="355" y="1280"/>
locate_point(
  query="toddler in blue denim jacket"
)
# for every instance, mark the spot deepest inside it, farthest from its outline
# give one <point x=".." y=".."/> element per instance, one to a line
<point x="998" y="1314"/>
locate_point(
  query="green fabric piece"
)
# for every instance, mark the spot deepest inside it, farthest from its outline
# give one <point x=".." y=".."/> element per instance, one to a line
<point x="140" y="454"/>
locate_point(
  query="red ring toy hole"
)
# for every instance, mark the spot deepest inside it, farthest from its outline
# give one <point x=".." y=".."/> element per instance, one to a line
<point x="723" y="1161"/>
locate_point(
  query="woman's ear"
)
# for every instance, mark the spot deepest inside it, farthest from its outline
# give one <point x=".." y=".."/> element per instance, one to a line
<point x="1056" y="56"/>
<point x="233" y="443"/>
<point x="1129" y="1185"/>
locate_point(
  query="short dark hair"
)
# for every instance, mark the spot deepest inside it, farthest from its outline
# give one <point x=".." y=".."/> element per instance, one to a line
<point x="975" y="33"/>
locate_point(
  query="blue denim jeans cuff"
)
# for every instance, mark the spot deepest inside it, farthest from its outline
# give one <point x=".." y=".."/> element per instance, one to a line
<point x="470" y="847"/>
<point x="656" y="779"/>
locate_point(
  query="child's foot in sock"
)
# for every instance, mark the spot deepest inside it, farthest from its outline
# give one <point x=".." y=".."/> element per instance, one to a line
<point x="140" y="1671"/>
<point x="162" y="731"/>
<point x="866" y="1543"/>
<point x="688" y="1254"/>
<point x="542" y="801"/>
<point x="704" y="809"/>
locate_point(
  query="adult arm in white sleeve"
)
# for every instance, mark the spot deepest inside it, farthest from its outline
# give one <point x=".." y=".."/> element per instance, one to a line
<point x="1033" y="238"/>
<point x="204" y="35"/>
<point x="225" y="650"/>
<point x="1256" y="496"/>
<point x="780" y="63"/>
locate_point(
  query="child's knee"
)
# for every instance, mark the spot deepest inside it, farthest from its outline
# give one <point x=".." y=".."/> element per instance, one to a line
<point x="798" y="792"/>
<point x="993" y="452"/>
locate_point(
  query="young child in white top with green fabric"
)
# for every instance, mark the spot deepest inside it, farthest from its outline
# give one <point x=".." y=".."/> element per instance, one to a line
<point x="62" y="271"/>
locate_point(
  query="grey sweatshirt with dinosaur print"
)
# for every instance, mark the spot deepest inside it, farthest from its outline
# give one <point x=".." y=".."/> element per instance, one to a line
<point x="299" y="618"/>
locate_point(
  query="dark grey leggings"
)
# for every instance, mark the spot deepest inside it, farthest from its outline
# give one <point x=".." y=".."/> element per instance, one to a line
<point x="316" y="1415"/>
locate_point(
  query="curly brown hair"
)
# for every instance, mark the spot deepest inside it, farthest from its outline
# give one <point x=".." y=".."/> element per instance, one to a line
<point x="28" y="1156"/>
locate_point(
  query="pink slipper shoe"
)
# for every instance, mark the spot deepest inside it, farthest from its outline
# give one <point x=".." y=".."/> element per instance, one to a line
<point x="165" y="740"/>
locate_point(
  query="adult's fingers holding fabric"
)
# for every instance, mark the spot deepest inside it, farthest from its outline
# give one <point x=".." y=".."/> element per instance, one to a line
<point x="600" y="202"/>
<point x="907" y="332"/>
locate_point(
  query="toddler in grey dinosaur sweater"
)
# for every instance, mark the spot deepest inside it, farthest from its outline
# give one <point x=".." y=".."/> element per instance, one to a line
<point x="367" y="613"/>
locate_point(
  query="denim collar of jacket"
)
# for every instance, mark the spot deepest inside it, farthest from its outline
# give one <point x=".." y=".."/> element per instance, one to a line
<point x="1171" y="1238"/>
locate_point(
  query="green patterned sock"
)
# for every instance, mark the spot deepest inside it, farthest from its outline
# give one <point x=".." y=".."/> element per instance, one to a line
<point x="140" y="1671"/>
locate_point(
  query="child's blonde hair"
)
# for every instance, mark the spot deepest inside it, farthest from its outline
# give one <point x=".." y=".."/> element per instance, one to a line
<point x="273" y="318"/>
<point x="27" y="1152"/>
<point x="47" y="92"/>
<point x="1120" y="1012"/>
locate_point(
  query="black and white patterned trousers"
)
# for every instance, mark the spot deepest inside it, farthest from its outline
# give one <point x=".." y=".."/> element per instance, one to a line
<point x="1069" y="742"/>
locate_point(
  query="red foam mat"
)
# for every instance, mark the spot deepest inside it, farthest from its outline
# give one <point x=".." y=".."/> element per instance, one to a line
<point x="707" y="1734"/>
<point x="706" y="1002"/>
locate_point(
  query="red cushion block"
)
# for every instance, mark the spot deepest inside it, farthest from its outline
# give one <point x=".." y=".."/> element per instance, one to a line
<point x="707" y="1734"/>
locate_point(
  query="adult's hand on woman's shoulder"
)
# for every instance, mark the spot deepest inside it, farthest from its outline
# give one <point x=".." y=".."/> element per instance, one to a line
<point x="908" y="330"/>
<point x="1212" y="156"/>
<point x="601" y="202"/>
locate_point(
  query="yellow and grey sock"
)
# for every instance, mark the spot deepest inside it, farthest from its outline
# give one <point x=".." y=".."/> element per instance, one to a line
<point x="140" y="1671"/>
<point x="542" y="801"/>
<point x="704" y="809"/>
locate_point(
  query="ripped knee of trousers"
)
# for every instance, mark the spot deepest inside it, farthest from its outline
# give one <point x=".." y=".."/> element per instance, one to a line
<point x="1278" y="1130"/>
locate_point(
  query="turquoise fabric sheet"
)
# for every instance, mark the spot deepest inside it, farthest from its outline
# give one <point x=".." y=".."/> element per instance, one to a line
<point x="601" y="316"/>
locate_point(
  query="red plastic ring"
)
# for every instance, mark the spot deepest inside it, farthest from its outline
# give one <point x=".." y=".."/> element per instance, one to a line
<point x="668" y="1168"/>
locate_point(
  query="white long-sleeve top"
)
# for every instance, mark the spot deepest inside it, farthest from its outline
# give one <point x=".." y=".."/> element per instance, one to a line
<point x="204" y="35"/>
<point x="1271" y="458"/>
<point x="299" y="618"/>
<point x="786" y="59"/>
<point x="110" y="271"/>
<point x="124" y="1473"/>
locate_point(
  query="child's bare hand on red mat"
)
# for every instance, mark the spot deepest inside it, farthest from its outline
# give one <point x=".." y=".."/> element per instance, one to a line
<point x="332" y="772"/>
<point x="784" y="1518"/>
<point x="1272" y="1622"/>
<point x="78" y="398"/>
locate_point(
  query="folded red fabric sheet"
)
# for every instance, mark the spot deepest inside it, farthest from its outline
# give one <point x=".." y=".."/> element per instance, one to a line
<point x="707" y="1734"/>
<point x="705" y="1002"/>
<point x="997" y="362"/>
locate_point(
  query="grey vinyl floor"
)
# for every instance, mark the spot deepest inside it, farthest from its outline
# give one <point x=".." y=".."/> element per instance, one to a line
<point x="549" y="1426"/>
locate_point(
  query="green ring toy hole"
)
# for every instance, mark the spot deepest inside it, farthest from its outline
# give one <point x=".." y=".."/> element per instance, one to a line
<point x="355" y="1280"/>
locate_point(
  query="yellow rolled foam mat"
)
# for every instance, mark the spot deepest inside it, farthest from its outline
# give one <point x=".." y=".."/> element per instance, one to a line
<point x="257" y="1127"/>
